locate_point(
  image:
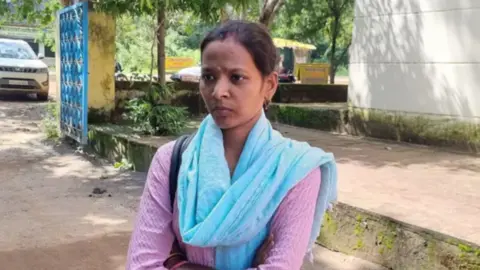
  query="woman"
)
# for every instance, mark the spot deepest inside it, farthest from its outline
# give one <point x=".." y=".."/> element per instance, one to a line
<point x="241" y="184"/>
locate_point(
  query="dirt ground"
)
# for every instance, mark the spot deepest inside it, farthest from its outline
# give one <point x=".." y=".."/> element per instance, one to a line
<point x="49" y="217"/>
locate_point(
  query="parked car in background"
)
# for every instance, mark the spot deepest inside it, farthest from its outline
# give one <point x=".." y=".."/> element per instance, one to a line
<point x="21" y="71"/>
<point x="191" y="74"/>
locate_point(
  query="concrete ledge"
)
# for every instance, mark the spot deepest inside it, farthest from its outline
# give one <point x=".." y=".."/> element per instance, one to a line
<point x="351" y="230"/>
<point x="394" y="244"/>
<point x="321" y="116"/>
<point x="337" y="117"/>
<point x="119" y="144"/>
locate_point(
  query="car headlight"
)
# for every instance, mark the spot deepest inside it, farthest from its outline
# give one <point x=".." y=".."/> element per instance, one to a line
<point x="42" y="70"/>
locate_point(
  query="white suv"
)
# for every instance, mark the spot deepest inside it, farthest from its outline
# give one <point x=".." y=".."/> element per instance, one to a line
<point x="21" y="71"/>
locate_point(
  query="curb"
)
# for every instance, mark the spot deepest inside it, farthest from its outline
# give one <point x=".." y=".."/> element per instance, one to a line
<point x="393" y="243"/>
<point x="347" y="229"/>
<point x="446" y="133"/>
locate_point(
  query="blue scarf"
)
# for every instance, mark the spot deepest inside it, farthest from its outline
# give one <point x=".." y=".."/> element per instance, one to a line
<point x="232" y="214"/>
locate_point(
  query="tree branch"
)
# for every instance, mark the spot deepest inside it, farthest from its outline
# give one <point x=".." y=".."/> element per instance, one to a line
<point x="270" y="7"/>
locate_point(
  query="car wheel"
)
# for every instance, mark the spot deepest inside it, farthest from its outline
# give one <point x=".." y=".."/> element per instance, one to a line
<point x="42" y="97"/>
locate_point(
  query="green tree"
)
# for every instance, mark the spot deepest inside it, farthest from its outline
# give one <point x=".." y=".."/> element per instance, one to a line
<point x="39" y="12"/>
<point x="325" y="23"/>
<point x="134" y="37"/>
<point x="209" y="11"/>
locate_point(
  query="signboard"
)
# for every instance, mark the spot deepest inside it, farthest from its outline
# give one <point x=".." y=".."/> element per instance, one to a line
<point x="173" y="64"/>
<point x="314" y="73"/>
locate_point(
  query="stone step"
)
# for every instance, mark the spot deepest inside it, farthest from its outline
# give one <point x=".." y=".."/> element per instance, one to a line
<point x="325" y="259"/>
<point x="401" y="206"/>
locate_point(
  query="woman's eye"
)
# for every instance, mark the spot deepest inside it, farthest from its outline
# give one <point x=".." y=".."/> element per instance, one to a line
<point x="207" y="77"/>
<point x="237" y="77"/>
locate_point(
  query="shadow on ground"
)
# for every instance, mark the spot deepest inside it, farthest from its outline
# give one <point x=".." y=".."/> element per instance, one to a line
<point x="378" y="154"/>
<point x="50" y="218"/>
<point x="100" y="253"/>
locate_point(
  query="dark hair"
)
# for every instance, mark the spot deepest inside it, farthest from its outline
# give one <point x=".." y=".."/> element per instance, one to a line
<point x="254" y="37"/>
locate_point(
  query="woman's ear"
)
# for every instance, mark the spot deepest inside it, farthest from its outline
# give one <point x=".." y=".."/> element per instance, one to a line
<point x="271" y="85"/>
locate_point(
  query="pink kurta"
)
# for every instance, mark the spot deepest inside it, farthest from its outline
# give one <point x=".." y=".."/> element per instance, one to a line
<point x="153" y="235"/>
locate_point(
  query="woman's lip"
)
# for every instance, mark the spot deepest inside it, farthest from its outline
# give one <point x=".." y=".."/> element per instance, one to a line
<point x="222" y="111"/>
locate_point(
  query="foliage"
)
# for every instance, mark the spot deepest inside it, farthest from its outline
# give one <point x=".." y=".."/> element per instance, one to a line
<point x="342" y="71"/>
<point x="135" y="36"/>
<point x="311" y="21"/>
<point x="33" y="12"/>
<point x="123" y="165"/>
<point x="152" y="117"/>
<point x="50" y="121"/>
<point x="40" y="13"/>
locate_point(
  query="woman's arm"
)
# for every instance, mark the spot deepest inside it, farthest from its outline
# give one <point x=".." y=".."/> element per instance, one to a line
<point x="292" y="225"/>
<point x="152" y="237"/>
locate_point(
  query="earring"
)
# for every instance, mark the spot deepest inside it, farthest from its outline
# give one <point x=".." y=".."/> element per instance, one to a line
<point x="266" y="104"/>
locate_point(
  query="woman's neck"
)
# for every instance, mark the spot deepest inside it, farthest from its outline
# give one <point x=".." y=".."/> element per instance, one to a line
<point x="233" y="141"/>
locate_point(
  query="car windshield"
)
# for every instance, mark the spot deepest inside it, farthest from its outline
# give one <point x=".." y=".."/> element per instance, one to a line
<point x="16" y="51"/>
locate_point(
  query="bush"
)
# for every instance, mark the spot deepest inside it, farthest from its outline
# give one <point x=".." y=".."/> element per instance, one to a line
<point x="50" y="121"/>
<point x="150" y="115"/>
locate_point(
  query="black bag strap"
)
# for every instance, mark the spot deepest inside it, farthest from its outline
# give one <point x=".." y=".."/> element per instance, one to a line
<point x="176" y="160"/>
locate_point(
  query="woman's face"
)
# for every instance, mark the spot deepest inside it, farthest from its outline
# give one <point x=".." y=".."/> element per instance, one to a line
<point x="232" y="87"/>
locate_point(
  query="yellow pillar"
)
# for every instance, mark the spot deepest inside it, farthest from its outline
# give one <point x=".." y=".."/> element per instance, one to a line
<point x="57" y="61"/>
<point x="101" y="64"/>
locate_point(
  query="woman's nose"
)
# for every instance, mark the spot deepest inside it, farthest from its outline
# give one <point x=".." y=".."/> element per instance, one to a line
<point x="221" y="89"/>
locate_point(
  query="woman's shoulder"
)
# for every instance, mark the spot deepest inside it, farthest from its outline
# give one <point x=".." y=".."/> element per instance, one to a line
<point x="313" y="174"/>
<point x="162" y="159"/>
<point x="165" y="150"/>
<point x="311" y="180"/>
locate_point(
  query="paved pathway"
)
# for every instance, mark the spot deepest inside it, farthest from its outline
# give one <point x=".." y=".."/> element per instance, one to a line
<point x="423" y="186"/>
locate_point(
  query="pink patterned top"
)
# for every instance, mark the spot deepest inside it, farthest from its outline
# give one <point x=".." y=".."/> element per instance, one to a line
<point x="153" y="235"/>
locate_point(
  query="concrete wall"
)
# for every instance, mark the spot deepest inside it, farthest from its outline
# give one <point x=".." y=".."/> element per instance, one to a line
<point x="417" y="56"/>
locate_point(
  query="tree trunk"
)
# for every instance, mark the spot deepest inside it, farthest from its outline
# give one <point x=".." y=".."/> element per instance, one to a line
<point x="333" y="62"/>
<point x="161" y="44"/>
<point x="270" y="8"/>
<point x="65" y="3"/>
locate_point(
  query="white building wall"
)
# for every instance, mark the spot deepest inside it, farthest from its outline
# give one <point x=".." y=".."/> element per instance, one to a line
<point x="417" y="56"/>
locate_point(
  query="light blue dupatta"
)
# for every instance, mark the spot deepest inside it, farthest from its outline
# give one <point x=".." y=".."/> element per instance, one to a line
<point x="232" y="214"/>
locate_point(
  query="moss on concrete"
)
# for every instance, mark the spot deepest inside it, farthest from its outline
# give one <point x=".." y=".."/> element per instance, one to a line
<point x="443" y="132"/>
<point x="360" y="226"/>
<point x="302" y="116"/>
<point x="386" y="239"/>
<point x="415" y="129"/>
<point x="393" y="244"/>
<point x="330" y="227"/>
<point x="118" y="143"/>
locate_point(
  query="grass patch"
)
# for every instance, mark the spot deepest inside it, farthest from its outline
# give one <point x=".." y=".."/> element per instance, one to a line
<point x="50" y="121"/>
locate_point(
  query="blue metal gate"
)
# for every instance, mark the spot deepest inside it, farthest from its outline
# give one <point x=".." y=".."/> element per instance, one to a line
<point x="74" y="71"/>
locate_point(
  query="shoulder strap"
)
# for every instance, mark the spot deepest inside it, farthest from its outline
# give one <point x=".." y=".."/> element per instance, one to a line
<point x="176" y="160"/>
